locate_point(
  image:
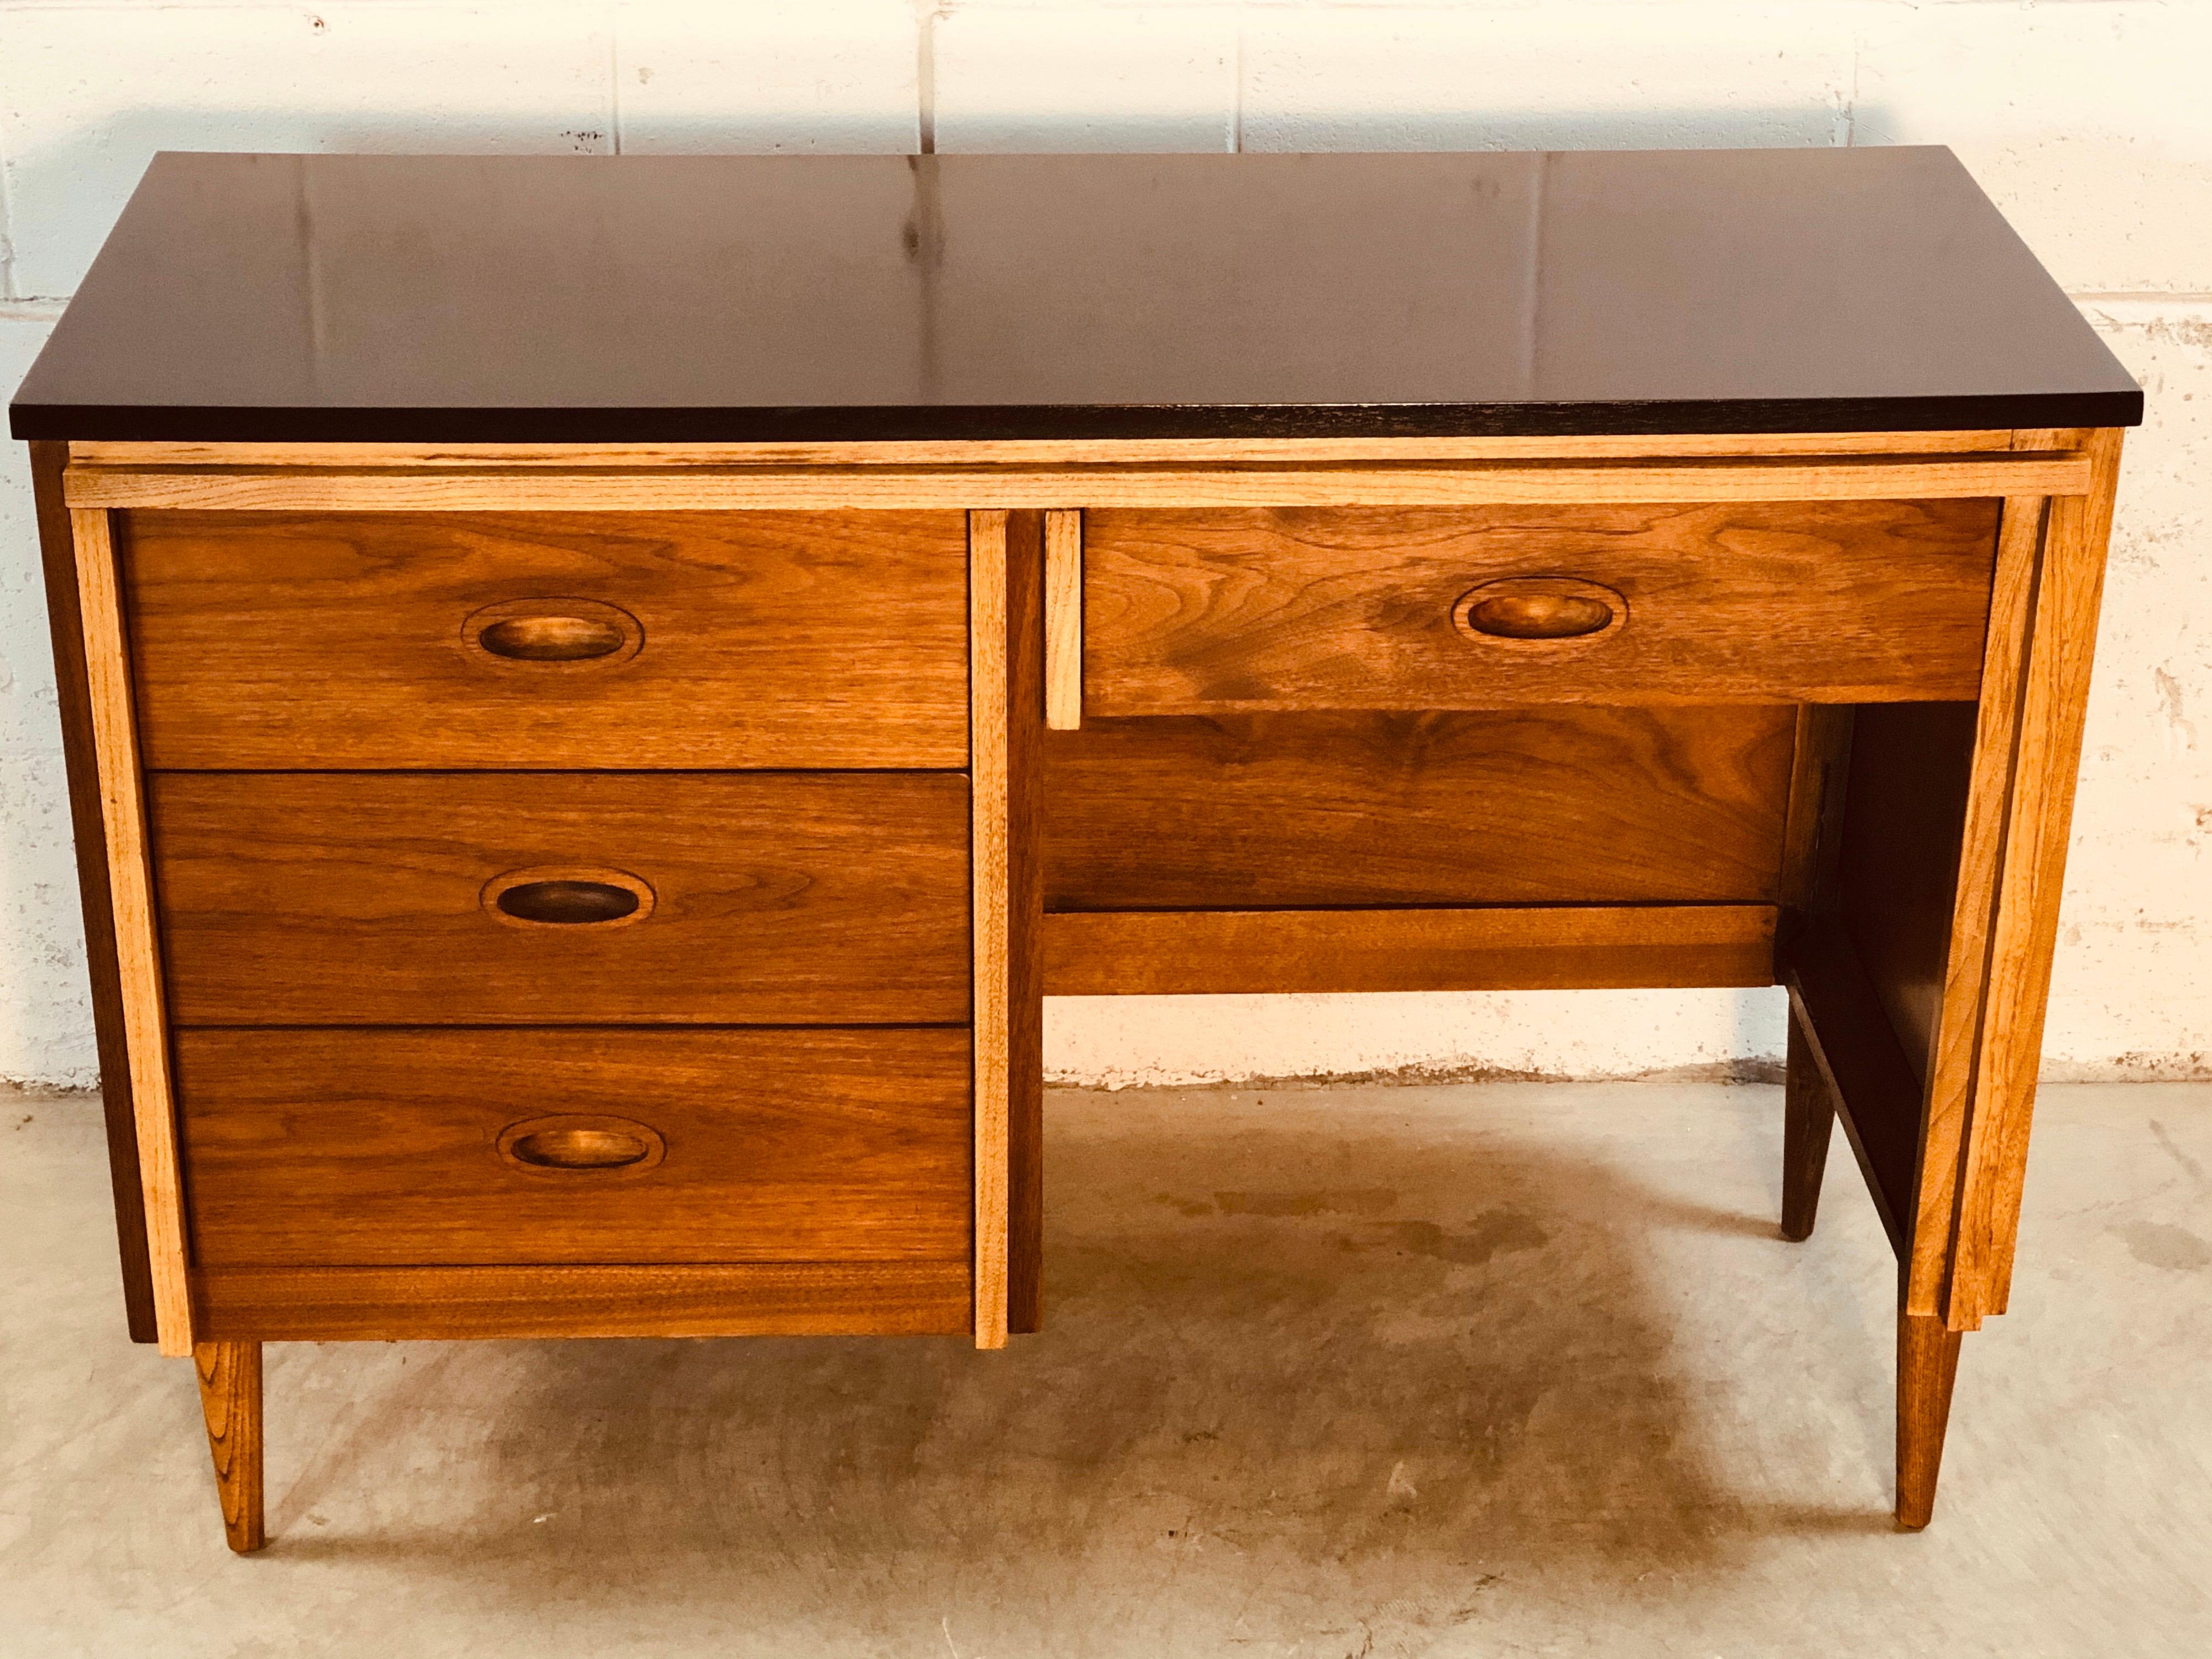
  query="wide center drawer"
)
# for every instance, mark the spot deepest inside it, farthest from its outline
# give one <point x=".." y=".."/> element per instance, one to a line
<point x="493" y="899"/>
<point x="1211" y="611"/>
<point x="273" y="641"/>
<point x="331" y="1148"/>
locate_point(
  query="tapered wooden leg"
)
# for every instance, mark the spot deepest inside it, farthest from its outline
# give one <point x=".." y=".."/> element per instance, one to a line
<point x="1927" y="1367"/>
<point x="1808" y="1117"/>
<point x="230" y="1396"/>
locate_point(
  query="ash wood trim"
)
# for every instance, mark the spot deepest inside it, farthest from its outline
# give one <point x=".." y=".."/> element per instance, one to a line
<point x="1171" y="953"/>
<point x="137" y="951"/>
<point x="989" y="551"/>
<point x="129" y="455"/>
<point x="230" y="1400"/>
<point x="389" y="1304"/>
<point x="1852" y="1043"/>
<point x="1063" y="621"/>
<point x="2054" y="706"/>
<point x="1959" y="1027"/>
<point x="1320" y="483"/>
<point x="57" y="551"/>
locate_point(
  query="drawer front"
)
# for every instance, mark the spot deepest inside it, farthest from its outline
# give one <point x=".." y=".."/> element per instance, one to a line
<point x="459" y="898"/>
<point x="425" y="641"/>
<point x="1198" y="612"/>
<point x="333" y="1148"/>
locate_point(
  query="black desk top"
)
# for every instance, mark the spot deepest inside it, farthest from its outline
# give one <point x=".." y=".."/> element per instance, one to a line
<point x="454" y="298"/>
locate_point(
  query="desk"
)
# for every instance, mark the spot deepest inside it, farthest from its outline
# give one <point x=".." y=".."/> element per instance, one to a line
<point x="601" y="694"/>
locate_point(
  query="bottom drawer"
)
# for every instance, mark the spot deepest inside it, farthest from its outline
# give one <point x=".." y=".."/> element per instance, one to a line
<point x="325" y="1148"/>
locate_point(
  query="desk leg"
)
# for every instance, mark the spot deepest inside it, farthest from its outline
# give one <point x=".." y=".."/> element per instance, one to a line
<point x="230" y="1399"/>
<point x="1808" y="1118"/>
<point x="1927" y="1367"/>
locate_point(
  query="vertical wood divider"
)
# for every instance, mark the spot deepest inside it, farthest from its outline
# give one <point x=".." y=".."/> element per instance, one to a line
<point x="1063" y="620"/>
<point x="130" y="888"/>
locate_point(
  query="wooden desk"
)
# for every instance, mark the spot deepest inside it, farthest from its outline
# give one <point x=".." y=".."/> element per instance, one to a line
<point x="601" y="694"/>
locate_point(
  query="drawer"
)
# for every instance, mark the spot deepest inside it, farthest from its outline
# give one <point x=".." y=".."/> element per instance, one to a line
<point x="332" y="1148"/>
<point x="680" y="640"/>
<point x="534" y="898"/>
<point x="1196" y="612"/>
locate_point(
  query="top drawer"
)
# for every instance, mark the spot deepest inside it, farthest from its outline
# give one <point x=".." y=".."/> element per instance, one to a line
<point x="539" y="640"/>
<point x="1195" y="612"/>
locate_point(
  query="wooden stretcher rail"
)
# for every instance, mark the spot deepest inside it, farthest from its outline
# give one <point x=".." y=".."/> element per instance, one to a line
<point x="487" y="488"/>
<point x="1564" y="947"/>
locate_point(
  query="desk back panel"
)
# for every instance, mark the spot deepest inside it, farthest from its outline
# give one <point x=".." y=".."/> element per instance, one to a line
<point x="1566" y="805"/>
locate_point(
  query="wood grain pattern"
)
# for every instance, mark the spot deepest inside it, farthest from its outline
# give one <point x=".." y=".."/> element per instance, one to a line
<point x="1855" y="1051"/>
<point x="279" y="641"/>
<point x="969" y="451"/>
<point x="1808" y="1121"/>
<point x="1812" y="838"/>
<point x="333" y="898"/>
<point x="1927" y="1371"/>
<point x="73" y="701"/>
<point x="1018" y="485"/>
<point x="1563" y="805"/>
<point x="1026" y="535"/>
<point x="328" y="1148"/>
<point x="1195" y="612"/>
<point x="230" y="1400"/>
<point x="1192" y="952"/>
<point x="780" y="1298"/>
<point x="1976" y="851"/>
<point x="137" y="947"/>
<point x="2053" y="710"/>
<point x="1063" y="621"/>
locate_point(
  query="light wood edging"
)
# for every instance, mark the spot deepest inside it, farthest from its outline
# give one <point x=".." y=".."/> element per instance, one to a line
<point x="1952" y="1059"/>
<point x="974" y="451"/>
<point x="989" y="806"/>
<point x="2054" y="704"/>
<point x="1063" y="621"/>
<point x="130" y="886"/>
<point x="490" y="488"/>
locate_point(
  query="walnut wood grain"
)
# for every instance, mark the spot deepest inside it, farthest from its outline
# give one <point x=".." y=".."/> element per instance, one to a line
<point x="73" y="699"/>
<point x="1191" y="952"/>
<point x="1927" y="1372"/>
<point x="230" y="1400"/>
<point x="1063" y="621"/>
<point x="780" y="1298"/>
<point x="1192" y="612"/>
<point x="1808" y="1121"/>
<point x="278" y="641"/>
<point x="343" y="899"/>
<point x="382" y="1148"/>
<point x="1560" y="805"/>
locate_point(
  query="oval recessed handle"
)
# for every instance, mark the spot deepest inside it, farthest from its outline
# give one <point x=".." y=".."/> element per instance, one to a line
<point x="568" y="903"/>
<point x="525" y="634"/>
<point x="1539" y="610"/>
<point x="555" y="895"/>
<point x="551" y="639"/>
<point x="581" y="1141"/>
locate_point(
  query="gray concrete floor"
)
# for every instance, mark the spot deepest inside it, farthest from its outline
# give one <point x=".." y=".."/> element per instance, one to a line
<point x="1504" y="1368"/>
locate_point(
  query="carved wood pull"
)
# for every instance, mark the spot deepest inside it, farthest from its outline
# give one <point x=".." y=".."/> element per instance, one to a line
<point x="565" y="896"/>
<point x="540" y="634"/>
<point x="580" y="1141"/>
<point x="1540" y="611"/>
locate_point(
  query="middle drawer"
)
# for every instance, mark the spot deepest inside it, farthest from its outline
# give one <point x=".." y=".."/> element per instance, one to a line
<point x="562" y="898"/>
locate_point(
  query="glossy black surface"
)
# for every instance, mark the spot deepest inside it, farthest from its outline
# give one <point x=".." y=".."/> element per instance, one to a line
<point x="611" y="298"/>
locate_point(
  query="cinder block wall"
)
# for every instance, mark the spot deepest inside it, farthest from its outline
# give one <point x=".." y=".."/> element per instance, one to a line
<point x="2088" y="120"/>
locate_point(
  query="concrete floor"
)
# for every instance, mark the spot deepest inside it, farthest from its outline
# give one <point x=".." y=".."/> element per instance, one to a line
<point x="1505" y="1369"/>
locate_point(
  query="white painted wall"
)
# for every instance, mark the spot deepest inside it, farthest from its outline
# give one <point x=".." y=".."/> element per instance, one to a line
<point x="2089" y="121"/>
